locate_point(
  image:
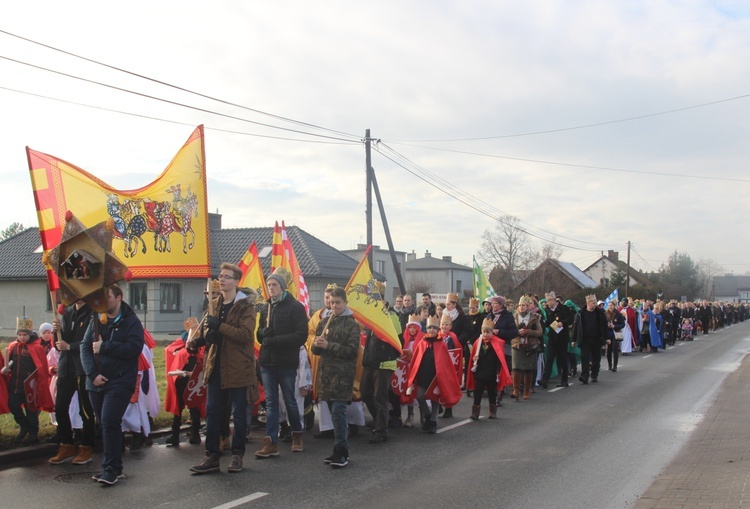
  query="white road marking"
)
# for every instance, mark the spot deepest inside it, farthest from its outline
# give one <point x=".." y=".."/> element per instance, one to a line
<point x="238" y="502"/>
<point x="460" y="423"/>
<point x="647" y="356"/>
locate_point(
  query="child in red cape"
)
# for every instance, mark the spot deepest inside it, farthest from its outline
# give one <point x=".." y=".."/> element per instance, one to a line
<point x="28" y="356"/>
<point x="488" y="369"/>
<point x="412" y="335"/>
<point x="433" y="375"/>
<point x="182" y="356"/>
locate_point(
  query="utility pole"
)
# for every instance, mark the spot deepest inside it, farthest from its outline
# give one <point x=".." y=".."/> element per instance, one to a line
<point x="368" y="207"/>
<point x="627" y="274"/>
<point x="396" y="265"/>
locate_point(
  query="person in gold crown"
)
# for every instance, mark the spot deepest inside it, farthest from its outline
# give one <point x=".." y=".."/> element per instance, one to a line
<point x="27" y="356"/>
<point x="488" y="371"/>
<point x="451" y="341"/>
<point x="431" y="365"/>
<point x="473" y="331"/>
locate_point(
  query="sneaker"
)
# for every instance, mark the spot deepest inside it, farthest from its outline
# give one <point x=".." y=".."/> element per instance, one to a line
<point x="268" y="450"/>
<point x="330" y="458"/>
<point x="236" y="464"/>
<point x="408" y="423"/>
<point x="209" y="464"/>
<point x="108" y="477"/>
<point x="96" y="477"/>
<point x="448" y="413"/>
<point x="341" y="458"/>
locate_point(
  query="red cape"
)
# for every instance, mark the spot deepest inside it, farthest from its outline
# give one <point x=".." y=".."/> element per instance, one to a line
<point x="503" y="374"/>
<point x="39" y="356"/>
<point x="447" y="381"/>
<point x="3" y="389"/>
<point x="176" y="356"/>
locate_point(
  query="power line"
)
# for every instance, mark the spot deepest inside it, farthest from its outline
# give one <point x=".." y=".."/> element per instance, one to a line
<point x="556" y="163"/>
<point x="176" y="87"/>
<point x="176" y="122"/>
<point x="586" y="126"/>
<point x="477" y="208"/>
<point x="175" y="103"/>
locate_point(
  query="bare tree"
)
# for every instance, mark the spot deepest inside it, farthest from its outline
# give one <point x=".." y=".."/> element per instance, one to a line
<point x="418" y="285"/>
<point x="505" y="249"/>
<point x="708" y="268"/>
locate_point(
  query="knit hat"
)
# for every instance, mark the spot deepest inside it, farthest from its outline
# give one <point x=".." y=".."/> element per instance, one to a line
<point x="46" y="326"/>
<point x="279" y="279"/>
<point x="24" y="325"/>
<point x="499" y="299"/>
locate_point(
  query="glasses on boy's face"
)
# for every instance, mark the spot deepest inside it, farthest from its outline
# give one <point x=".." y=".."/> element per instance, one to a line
<point x="225" y="276"/>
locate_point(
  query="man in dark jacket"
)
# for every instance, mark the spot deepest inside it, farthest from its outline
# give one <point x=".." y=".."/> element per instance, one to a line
<point x="559" y="320"/>
<point x="590" y="335"/>
<point x="72" y="378"/>
<point x="109" y="356"/>
<point x="379" y="363"/>
<point x="229" y="366"/>
<point x="283" y="330"/>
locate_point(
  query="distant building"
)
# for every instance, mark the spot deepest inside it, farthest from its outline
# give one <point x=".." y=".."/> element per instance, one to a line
<point x="602" y="270"/>
<point x="440" y="275"/>
<point x="163" y="304"/>
<point x="731" y="288"/>
<point x="564" y="278"/>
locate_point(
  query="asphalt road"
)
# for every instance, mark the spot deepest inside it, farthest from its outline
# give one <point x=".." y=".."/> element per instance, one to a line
<point x="598" y="446"/>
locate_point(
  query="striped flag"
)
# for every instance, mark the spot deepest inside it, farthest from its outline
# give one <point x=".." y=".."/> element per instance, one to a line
<point x="283" y="259"/>
<point x="614" y="296"/>
<point x="252" y="277"/>
<point x="299" y="279"/>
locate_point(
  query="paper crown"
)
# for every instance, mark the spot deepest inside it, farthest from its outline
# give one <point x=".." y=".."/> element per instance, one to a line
<point x="433" y="321"/>
<point x="381" y="287"/>
<point x="473" y="302"/>
<point x="24" y="324"/>
<point x="215" y="288"/>
<point x="414" y="320"/>
<point x="487" y="323"/>
<point x="85" y="263"/>
<point x="331" y="286"/>
<point x="452" y="297"/>
<point x="446" y="319"/>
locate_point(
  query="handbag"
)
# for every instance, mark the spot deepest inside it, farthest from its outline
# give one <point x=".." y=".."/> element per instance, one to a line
<point x="619" y="335"/>
<point x="538" y="348"/>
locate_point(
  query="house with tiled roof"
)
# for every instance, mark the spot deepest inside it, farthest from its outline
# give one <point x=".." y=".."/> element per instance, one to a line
<point x="437" y="275"/>
<point x="731" y="288"/>
<point x="163" y="303"/>
<point x="602" y="270"/>
<point x="564" y="278"/>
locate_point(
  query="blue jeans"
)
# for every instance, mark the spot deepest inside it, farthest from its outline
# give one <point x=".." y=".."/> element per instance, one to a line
<point x="215" y="396"/>
<point x="340" y="423"/>
<point x="273" y="378"/>
<point x="109" y="407"/>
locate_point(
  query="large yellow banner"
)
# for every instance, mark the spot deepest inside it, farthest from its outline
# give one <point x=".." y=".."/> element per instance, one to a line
<point x="160" y="230"/>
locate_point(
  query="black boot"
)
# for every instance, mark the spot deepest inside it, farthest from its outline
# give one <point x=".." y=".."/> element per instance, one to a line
<point x="195" y="426"/>
<point x="174" y="439"/>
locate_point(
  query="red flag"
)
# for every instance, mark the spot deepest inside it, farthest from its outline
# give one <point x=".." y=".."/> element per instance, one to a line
<point x="195" y="392"/>
<point x="299" y="279"/>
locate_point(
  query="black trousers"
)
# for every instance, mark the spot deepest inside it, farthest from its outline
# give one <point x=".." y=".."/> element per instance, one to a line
<point x="66" y="388"/>
<point x="490" y="386"/>
<point x="591" y="359"/>
<point x="557" y="351"/>
<point x="613" y="353"/>
<point x="374" y="388"/>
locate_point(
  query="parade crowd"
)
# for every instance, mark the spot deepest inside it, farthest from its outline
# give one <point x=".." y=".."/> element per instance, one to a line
<point x="248" y="365"/>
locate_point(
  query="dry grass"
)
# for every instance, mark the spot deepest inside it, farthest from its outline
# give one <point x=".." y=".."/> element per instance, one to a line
<point x="9" y="428"/>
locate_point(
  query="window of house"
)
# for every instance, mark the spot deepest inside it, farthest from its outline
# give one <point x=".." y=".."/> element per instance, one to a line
<point x="169" y="300"/>
<point x="380" y="266"/>
<point x="458" y="286"/>
<point x="137" y="298"/>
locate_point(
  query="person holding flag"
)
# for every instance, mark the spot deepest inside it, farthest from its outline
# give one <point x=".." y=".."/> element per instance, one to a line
<point x="282" y="332"/>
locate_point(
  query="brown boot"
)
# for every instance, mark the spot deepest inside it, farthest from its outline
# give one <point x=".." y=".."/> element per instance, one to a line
<point x="85" y="453"/>
<point x="527" y="384"/>
<point x="516" y="385"/>
<point x="64" y="453"/>
<point x="297" y="445"/>
<point x="474" y="413"/>
<point x="493" y="411"/>
<point x="269" y="449"/>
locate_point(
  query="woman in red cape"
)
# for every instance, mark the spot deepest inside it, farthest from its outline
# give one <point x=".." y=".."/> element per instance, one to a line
<point x="478" y="362"/>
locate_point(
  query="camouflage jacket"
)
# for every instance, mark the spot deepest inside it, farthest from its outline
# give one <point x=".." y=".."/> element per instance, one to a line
<point x="338" y="362"/>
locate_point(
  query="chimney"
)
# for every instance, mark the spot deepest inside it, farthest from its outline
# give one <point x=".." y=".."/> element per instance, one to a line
<point x="214" y="221"/>
<point x="427" y="254"/>
<point x="613" y="255"/>
<point x="411" y="256"/>
<point x="447" y="258"/>
<point x="361" y="247"/>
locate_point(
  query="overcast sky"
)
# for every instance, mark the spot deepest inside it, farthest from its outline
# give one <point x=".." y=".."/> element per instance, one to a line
<point x="594" y="122"/>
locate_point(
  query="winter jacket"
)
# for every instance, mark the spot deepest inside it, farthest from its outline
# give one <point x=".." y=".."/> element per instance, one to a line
<point x="282" y="335"/>
<point x="122" y="344"/>
<point x="338" y="363"/>
<point x="377" y="351"/>
<point x="234" y="342"/>
<point x="74" y="323"/>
